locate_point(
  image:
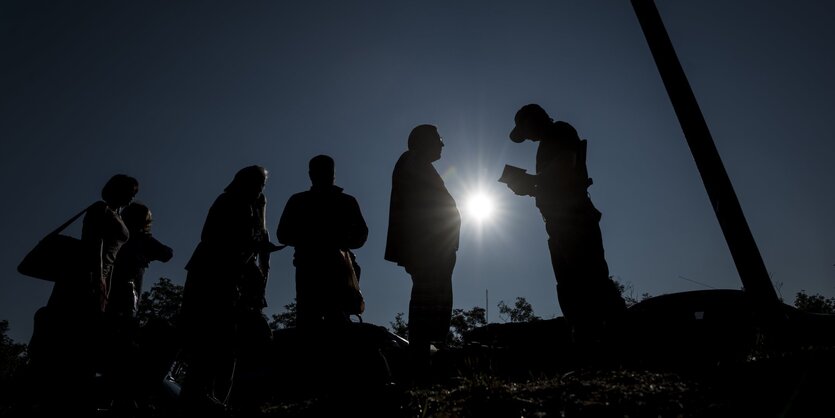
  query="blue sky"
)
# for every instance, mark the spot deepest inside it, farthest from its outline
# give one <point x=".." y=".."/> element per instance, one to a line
<point x="183" y="94"/>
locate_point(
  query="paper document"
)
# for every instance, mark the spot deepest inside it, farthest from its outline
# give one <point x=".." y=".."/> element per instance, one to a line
<point x="512" y="175"/>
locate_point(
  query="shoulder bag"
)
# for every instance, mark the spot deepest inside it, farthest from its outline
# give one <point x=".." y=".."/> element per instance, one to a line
<point x="56" y="256"/>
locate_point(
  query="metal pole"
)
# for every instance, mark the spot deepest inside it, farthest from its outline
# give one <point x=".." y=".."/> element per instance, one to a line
<point x="486" y="306"/>
<point x="726" y="206"/>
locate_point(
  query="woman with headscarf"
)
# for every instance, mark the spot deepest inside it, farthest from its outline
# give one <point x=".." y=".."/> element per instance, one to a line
<point x="233" y="244"/>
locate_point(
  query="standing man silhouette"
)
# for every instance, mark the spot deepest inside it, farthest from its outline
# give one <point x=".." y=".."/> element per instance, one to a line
<point x="589" y="299"/>
<point x="423" y="232"/>
<point x="323" y="224"/>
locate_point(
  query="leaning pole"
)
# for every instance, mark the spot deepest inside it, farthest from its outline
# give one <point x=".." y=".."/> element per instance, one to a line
<point x="746" y="255"/>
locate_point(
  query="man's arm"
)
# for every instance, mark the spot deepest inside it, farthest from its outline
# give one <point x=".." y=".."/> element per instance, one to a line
<point x="287" y="232"/>
<point x="158" y="251"/>
<point x="357" y="228"/>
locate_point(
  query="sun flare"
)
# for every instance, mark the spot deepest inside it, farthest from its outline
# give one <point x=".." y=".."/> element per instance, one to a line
<point x="480" y="207"/>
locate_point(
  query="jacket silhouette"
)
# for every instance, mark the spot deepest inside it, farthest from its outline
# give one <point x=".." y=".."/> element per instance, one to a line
<point x="424" y="222"/>
<point x="323" y="224"/>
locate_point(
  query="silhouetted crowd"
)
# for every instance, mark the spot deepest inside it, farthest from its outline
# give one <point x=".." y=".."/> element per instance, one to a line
<point x="90" y="324"/>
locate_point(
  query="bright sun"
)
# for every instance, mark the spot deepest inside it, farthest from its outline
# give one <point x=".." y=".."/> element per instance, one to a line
<point x="480" y="207"/>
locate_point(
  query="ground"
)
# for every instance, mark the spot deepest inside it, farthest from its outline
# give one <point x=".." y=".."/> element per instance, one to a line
<point x="790" y="385"/>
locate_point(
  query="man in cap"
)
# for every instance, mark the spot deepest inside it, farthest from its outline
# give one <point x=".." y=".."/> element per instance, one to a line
<point x="589" y="299"/>
<point x="423" y="231"/>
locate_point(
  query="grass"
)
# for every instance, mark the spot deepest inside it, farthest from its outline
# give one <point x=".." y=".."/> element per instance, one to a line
<point x="789" y="385"/>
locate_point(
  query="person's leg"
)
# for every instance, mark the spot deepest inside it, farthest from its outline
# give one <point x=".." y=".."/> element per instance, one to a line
<point x="442" y="303"/>
<point x="430" y="312"/>
<point x="210" y="363"/>
<point x="419" y="327"/>
<point x="223" y="369"/>
<point x="602" y="293"/>
<point x="570" y="257"/>
<point x="565" y="286"/>
<point x="308" y="313"/>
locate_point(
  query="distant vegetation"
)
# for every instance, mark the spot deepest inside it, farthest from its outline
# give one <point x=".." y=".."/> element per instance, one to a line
<point x="161" y="302"/>
<point x="400" y="327"/>
<point x="464" y="321"/>
<point x="286" y="319"/>
<point x="12" y="361"/>
<point x="628" y="293"/>
<point x="521" y="311"/>
<point x="814" y="303"/>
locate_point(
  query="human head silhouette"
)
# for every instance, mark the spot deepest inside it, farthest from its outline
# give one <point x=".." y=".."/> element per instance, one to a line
<point x="425" y="142"/>
<point x="249" y="182"/>
<point x="531" y="121"/>
<point x="119" y="190"/>
<point x="137" y="217"/>
<point x="321" y="170"/>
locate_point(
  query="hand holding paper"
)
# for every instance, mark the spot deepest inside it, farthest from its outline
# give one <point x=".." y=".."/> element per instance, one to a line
<point x="518" y="180"/>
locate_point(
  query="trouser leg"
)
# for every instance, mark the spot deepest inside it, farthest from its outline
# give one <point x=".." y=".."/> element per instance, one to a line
<point x="430" y="311"/>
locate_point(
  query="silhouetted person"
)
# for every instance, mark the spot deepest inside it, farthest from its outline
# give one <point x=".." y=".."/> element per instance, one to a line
<point x="589" y="299"/>
<point x="133" y="258"/>
<point x="66" y="347"/>
<point x="232" y="245"/>
<point x="253" y="335"/>
<point x="323" y="224"/>
<point x="423" y="232"/>
<point x="125" y="366"/>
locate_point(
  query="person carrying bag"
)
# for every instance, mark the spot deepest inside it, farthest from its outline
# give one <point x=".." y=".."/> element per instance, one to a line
<point x="66" y="344"/>
<point x="55" y="256"/>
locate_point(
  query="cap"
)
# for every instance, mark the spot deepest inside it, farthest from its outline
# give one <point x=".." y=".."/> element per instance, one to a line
<point x="527" y="112"/>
